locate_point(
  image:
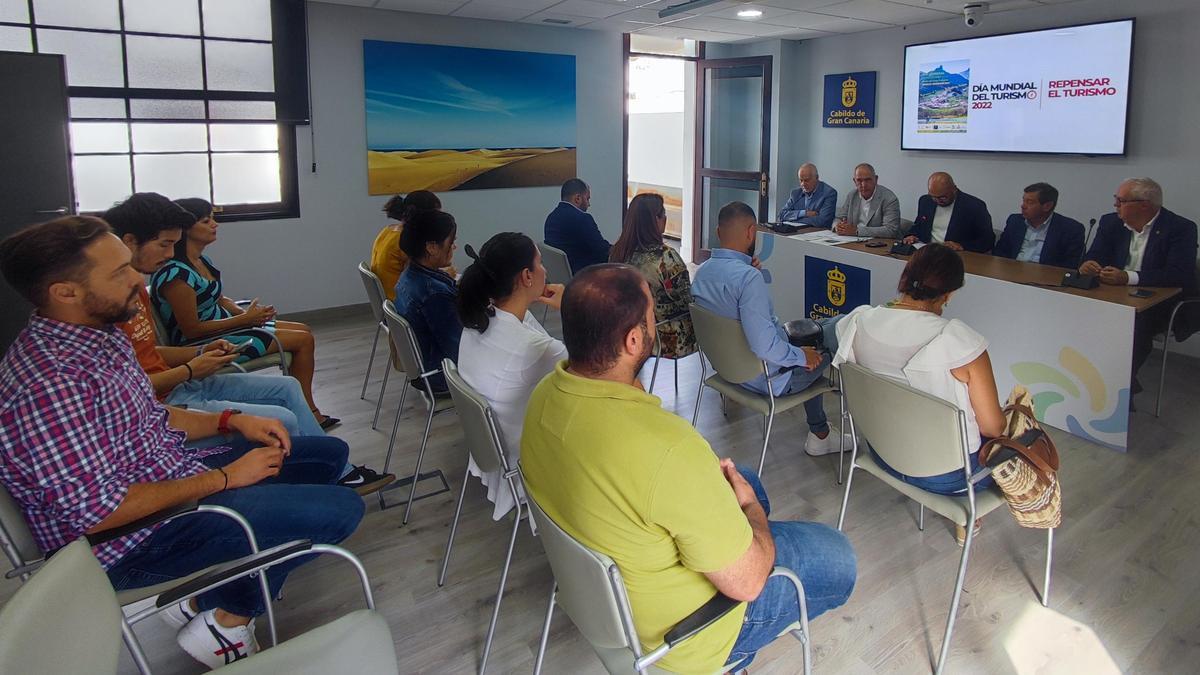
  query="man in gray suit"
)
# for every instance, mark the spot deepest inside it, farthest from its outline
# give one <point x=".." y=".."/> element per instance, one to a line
<point x="871" y="210"/>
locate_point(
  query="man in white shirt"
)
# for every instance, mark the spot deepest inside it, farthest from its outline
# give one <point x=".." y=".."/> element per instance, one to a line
<point x="1144" y="244"/>
<point x="870" y="210"/>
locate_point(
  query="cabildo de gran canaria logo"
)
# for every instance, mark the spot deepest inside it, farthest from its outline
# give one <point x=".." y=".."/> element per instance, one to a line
<point x="1077" y="378"/>
<point x="835" y="289"/>
<point x="849" y="91"/>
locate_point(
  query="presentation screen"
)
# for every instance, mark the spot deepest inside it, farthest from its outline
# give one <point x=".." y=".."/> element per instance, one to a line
<point x="1061" y="90"/>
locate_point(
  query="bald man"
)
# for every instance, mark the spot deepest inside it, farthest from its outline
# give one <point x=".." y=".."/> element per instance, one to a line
<point x="813" y="203"/>
<point x="947" y="215"/>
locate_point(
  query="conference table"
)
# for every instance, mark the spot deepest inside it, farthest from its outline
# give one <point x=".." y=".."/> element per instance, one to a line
<point x="1072" y="348"/>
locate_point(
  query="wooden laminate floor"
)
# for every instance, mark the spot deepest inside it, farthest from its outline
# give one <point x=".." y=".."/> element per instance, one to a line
<point x="1124" y="597"/>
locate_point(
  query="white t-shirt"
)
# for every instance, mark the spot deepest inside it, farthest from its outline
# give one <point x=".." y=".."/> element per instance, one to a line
<point x="864" y="210"/>
<point x="941" y="223"/>
<point x="916" y="348"/>
<point x="504" y="364"/>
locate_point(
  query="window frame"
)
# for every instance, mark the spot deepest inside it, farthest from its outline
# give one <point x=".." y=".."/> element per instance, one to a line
<point x="289" y="204"/>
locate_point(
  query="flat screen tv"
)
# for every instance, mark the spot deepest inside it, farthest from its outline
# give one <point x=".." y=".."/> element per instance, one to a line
<point x="1058" y="90"/>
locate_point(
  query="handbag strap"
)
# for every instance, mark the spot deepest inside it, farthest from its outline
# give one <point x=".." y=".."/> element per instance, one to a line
<point x="1038" y="463"/>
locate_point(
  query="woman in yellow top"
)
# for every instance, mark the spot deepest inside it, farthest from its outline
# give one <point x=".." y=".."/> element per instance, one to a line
<point x="387" y="260"/>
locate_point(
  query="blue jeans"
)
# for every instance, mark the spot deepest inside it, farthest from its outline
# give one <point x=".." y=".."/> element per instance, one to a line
<point x="952" y="483"/>
<point x="276" y="396"/>
<point x="823" y="560"/>
<point x="301" y="502"/>
<point x="814" y="409"/>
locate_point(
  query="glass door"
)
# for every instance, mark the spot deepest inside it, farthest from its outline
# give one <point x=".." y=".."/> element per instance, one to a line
<point x="733" y="142"/>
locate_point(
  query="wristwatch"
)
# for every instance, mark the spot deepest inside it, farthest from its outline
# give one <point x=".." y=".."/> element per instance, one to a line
<point x="223" y="424"/>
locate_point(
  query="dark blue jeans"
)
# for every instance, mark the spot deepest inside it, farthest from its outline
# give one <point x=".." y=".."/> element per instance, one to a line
<point x="823" y="560"/>
<point x="302" y="502"/>
<point x="952" y="483"/>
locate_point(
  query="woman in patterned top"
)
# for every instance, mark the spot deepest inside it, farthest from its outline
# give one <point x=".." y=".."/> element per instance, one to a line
<point x="641" y="245"/>
<point x="187" y="295"/>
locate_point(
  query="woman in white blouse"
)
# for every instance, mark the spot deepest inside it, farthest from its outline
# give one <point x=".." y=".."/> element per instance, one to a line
<point x="910" y="341"/>
<point x="504" y="351"/>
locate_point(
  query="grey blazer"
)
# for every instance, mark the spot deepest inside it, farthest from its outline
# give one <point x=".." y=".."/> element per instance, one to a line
<point x="884" y="219"/>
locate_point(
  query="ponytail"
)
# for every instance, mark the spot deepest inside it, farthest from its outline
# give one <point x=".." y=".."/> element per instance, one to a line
<point x="490" y="277"/>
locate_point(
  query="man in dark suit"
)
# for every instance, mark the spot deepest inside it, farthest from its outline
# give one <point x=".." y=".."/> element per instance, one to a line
<point x="1038" y="234"/>
<point x="949" y="216"/>
<point x="1143" y="244"/>
<point x="571" y="228"/>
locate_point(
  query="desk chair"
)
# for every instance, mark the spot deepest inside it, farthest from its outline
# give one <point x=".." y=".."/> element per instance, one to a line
<point x="408" y="353"/>
<point x="26" y="557"/>
<point x="589" y="587"/>
<point x="71" y="602"/>
<point x="558" y="268"/>
<point x="375" y="298"/>
<point x="723" y="343"/>
<point x="1162" y="375"/>
<point x="486" y="448"/>
<point x="919" y="434"/>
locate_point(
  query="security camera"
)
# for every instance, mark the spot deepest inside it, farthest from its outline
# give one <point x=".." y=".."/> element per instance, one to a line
<point x="973" y="13"/>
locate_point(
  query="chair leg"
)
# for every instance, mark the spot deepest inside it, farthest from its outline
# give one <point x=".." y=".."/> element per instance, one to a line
<point x="1049" y="560"/>
<point x="387" y="460"/>
<point x="842" y="437"/>
<point x="1162" y="375"/>
<point x="846" y="496"/>
<point x="807" y="641"/>
<point x="420" y="456"/>
<point x="766" y="439"/>
<point x="958" y="586"/>
<point x="699" y="395"/>
<point x="653" y="375"/>
<point x="541" y="653"/>
<point x="134" y="647"/>
<point x="379" y="401"/>
<point x="370" y="362"/>
<point x="454" y="526"/>
<point x="675" y="369"/>
<point x="921" y="517"/>
<point x="512" y="542"/>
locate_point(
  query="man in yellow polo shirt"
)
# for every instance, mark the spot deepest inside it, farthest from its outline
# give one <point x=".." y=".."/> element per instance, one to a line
<point x="629" y="479"/>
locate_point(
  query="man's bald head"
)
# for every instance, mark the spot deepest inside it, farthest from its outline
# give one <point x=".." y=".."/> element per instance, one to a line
<point x="600" y="306"/>
<point x="942" y="188"/>
<point x="736" y="225"/>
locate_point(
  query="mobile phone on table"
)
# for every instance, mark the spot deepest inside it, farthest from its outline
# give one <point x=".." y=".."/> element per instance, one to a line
<point x="1141" y="293"/>
<point x="876" y="244"/>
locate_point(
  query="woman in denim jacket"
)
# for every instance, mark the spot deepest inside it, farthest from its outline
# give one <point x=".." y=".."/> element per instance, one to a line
<point x="425" y="295"/>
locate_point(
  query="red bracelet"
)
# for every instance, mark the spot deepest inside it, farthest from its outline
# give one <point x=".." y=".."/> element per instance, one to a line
<point x="223" y="424"/>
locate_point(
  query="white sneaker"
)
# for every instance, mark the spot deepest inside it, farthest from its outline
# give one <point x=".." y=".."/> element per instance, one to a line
<point x="215" y="645"/>
<point x="178" y="615"/>
<point x="817" y="447"/>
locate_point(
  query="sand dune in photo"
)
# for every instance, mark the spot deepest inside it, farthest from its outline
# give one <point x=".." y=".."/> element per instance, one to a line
<point x="441" y="170"/>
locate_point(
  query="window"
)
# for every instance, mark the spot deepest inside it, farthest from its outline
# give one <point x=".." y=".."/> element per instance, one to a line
<point x="180" y="97"/>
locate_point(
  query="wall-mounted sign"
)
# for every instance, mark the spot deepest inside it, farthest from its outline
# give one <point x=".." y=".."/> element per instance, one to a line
<point x="849" y="100"/>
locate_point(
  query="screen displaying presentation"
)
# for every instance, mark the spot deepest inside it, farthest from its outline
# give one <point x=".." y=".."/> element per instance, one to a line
<point x="1061" y="90"/>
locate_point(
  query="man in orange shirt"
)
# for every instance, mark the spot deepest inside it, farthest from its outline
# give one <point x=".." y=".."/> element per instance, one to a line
<point x="150" y="224"/>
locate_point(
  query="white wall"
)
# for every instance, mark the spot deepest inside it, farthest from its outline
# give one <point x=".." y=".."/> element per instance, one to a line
<point x="309" y="263"/>
<point x="1164" y="141"/>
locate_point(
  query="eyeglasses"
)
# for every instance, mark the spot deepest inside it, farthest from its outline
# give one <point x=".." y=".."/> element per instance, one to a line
<point x="1117" y="200"/>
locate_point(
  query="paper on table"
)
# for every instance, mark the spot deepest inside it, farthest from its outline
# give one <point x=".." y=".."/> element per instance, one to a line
<point x="828" y="238"/>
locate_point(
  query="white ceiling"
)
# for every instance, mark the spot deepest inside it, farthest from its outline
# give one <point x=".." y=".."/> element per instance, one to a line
<point x="718" y="22"/>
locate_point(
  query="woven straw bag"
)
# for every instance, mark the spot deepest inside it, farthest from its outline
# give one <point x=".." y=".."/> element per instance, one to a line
<point x="1029" y="476"/>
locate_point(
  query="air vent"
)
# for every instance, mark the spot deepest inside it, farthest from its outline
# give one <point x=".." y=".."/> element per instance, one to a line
<point x="557" y="22"/>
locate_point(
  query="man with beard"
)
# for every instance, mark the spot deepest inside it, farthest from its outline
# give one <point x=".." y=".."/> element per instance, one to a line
<point x="729" y="285"/>
<point x="85" y="447"/>
<point x="150" y="225"/>
<point x="650" y="493"/>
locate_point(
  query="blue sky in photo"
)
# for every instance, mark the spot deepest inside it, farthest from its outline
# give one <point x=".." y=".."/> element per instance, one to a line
<point x="421" y="97"/>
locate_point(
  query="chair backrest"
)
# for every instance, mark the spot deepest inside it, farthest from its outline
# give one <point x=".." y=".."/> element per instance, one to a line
<point x="375" y="293"/>
<point x="160" y="329"/>
<point x="404" y="340"/>
<point x="64" y="620"/>
<point x="15" y="537"/>
<point x="558" y="267"/>
<point x="916" y="433"/>
<point x="478" y="422"/>
<point x="724" y="344"/>
<point x="590" y="589"/>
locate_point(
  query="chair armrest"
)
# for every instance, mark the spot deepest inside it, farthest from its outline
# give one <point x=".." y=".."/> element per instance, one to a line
<point x="708" y="614"/>
<point x="231" y="570"/>
<point x="141" y="523"/>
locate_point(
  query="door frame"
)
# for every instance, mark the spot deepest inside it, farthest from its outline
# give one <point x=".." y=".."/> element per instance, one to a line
<point x="700" y="172"/>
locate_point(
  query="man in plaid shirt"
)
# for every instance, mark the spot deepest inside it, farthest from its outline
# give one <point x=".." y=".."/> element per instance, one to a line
<point x="85" y="447"/>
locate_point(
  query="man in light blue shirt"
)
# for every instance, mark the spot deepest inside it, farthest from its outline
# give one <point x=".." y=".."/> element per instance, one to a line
<point x="1031" y="246"/>
<point x="730" y="285"/>
<point x="813" y="203"/>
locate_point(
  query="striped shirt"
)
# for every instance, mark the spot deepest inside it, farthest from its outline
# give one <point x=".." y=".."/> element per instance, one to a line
<point x="79" y="424"/>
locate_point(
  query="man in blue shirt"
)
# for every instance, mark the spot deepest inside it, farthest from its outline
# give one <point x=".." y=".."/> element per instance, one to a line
<point x="1039" y="233"/>
<point x="571" y="228"/>
<point x="813" y="203"/>
<point x="730" y="285"/>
